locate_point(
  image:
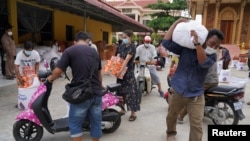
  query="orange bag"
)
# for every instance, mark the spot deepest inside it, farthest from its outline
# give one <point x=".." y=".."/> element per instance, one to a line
<point x="113" y="66"/>
<point x="28" y="80"/>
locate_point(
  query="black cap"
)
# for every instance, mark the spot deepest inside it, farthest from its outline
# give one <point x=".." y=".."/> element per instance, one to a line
<point x="8" y="26"/>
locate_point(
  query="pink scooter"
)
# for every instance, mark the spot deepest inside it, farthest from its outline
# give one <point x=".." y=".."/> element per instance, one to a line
<point x="30" y="123"/>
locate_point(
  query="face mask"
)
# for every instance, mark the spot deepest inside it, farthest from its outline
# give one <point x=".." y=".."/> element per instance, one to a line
<point x="146" y="45"/>
<point x="125" y="41"/>
<point x="28" y="52"/>
<point x="135" y="43"/>
<point x="10" y="33"/>
<point x="210" y="50"/>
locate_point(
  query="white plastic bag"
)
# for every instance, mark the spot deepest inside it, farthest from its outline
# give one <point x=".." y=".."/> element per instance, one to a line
<point x="181" y="33"/>
<point x="25" y="94"/>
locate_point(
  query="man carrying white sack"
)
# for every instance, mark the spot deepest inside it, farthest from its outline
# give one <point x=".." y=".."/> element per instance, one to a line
<point x="187" y="84"/>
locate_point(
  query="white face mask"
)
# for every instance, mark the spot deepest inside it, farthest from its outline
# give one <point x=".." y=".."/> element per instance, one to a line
<point x="10" y="33"/>
<point x="210" y="50"/>
<point x="146" y="45"/>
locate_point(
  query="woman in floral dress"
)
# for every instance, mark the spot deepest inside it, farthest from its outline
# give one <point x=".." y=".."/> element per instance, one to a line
<point x="129" y="90"/>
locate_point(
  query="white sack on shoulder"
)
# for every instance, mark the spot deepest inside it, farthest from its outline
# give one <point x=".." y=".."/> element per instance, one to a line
<point x="181" y="34"/>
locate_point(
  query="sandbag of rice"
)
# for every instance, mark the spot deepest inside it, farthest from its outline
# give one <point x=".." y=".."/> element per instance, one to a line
<point x="181" y="34"/>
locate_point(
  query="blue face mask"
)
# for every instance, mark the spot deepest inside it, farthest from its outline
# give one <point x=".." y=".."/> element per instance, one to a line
<point x="125" y="41"/>
<point x="28" y="52"/>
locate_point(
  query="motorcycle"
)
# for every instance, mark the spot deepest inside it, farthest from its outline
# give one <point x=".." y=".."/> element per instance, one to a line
<point x="143" y="77"/>
<point x="223" y="104"/>
<point x="29" y="124"/>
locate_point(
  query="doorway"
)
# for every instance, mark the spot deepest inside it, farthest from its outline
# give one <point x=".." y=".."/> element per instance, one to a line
<point x="226" y="27"/>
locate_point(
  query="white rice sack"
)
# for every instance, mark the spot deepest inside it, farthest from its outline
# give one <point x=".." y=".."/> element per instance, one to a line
<point x="181" y="34"/>
<point x="224" y="76"/>
<point x="234" y="63"/>
<point x="241" y="66"/>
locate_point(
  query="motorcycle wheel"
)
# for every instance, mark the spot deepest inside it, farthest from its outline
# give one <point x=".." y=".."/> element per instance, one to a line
<point x="227" y="114"/>
<point x="141" y="87"/>
<point x="25" y="130"/>
<point x="116" y="122"/>
<point x="141" y="90"/>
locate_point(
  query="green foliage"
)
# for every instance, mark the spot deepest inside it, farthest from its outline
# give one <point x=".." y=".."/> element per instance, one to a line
<point x="136" y="38"/>
<point x="162" y="23"/>
<point x="114" y="40"/>
<point x="170" y="13"/>
<point x="155" y="38"/>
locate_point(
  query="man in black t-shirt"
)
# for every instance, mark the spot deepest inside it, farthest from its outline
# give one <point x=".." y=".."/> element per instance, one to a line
<point x="81" y="58"/>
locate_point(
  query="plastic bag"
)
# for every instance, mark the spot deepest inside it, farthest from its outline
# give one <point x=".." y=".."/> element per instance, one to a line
<point x="109" y="100"/>
<point x="114" y="65"/>
<point x="182" y="36"/>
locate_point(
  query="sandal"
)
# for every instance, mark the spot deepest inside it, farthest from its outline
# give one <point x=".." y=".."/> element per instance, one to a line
<point x="122" y="113"/>
<point x="132" y="118"/>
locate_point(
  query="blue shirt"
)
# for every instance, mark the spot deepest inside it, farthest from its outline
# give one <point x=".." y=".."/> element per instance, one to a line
<point x="189" y="76"/>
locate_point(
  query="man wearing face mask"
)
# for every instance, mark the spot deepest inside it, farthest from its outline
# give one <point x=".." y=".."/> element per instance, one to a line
<point x="9" y="48"/>
<point x="187" y="83"/>
<point x="211" y="79"/>
<point x="27" y="62"/>
<point x="147" y="53"/>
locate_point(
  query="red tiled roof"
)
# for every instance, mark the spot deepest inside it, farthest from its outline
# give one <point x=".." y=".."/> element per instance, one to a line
<point x="144" y="3"/>
<point x="104" y="6"/>
<point x="141" y="3"/>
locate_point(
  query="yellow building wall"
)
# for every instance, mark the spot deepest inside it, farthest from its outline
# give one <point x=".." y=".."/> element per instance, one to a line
<point x="93" y="27"/>
<point x="61" y="19"/>
<point x="12" y="10"/>
<point x="96" y="28"/>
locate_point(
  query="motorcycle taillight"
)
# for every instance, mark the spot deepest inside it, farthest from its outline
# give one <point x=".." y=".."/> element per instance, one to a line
<point x="239" y="96"/>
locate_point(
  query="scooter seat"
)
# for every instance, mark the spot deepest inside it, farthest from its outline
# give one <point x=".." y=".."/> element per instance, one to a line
<point x="114" y="87"/>
<point x="223" y="90"/>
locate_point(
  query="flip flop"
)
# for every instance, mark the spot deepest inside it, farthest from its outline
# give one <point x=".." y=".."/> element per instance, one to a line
<point x="132" y="118"/>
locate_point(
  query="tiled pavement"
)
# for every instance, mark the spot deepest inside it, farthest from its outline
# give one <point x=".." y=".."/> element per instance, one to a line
<point x="149" y="126"/>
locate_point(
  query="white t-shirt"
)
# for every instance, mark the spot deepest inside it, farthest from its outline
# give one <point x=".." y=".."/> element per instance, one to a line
<point x="27" y="64"/>
<point x="146" y="54"/>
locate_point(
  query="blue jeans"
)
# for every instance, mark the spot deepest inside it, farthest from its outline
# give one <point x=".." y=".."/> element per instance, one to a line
<point x="91" y="109"/>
